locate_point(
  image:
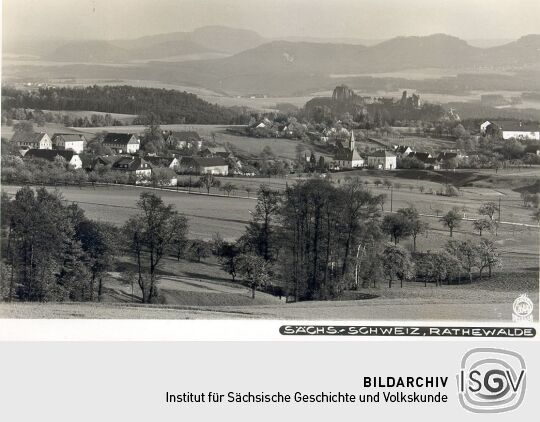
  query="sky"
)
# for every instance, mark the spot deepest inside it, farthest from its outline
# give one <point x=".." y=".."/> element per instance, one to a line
<point x="364" y="19"/>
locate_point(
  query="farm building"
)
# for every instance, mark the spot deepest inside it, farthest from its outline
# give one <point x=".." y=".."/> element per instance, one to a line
<point x="69" y="141"/>
<point x="70" y="157"/>
<point x="382" y="159"/>
<point x="183" y="139"/>
<point x="122" y="143"/>
<point x="215" y="152"/>
<point x="32" y="140"/>
<point x="201" y="165"/>
<point x="512" y="129"/>
<point x="422" y="156"/>
<point x="171" y="163"/>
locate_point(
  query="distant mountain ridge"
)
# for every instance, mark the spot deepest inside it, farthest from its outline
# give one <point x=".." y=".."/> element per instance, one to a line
<point x="217" y="39"/>
<point x="293" y="65"/>
<point x="248" y="64"/>
<point x="437" y="50"/>
<point x="88" y="52"/>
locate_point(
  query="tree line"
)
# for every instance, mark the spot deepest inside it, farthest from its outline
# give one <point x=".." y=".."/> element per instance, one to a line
<point x="311" y="242"/>
<point x="169" y="105"/>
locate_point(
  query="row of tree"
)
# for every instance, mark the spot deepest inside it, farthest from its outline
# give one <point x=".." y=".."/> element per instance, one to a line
<point x="316" y="239"/>
<point x="169" y="105"/>
<point x="40" y="117"/>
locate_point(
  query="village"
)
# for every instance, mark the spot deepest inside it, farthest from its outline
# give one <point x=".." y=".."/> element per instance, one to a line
<point x="338" y="146"/>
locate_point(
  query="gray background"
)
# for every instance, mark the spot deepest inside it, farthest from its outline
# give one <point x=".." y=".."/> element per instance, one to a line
<point x="127" y="381"/>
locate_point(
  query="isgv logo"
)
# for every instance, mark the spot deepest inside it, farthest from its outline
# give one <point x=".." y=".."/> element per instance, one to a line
<point x="491" y="380"/>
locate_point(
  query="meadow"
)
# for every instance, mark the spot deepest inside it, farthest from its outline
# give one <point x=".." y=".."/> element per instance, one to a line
<point x="218" y="212"/>
<point x="203" y="290"/>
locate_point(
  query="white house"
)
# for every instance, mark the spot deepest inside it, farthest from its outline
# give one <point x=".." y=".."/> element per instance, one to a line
<point x="383" y="160"/>
<point x="513" y="129"/>
<point x="32" y="140"/>
<point x="202" y="165"/>
<point x="69" y="141"/>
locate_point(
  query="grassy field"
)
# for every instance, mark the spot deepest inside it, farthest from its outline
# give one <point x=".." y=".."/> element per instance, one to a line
<point x="49" y="128"/>
<point x="207" y="214"/>
<point x="203" y="290"/>
<point x="185" y="283"/>
<point x="228" y="215"/>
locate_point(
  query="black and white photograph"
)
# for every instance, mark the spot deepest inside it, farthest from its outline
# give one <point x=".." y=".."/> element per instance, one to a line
<point x="270" y="160"/>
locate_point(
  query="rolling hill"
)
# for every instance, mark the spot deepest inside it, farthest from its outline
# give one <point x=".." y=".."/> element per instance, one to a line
<point x="208" y="39"/>
<point x="88" y="52"/>
<point x="291" y="67"/>
<point x="247" y="64"/>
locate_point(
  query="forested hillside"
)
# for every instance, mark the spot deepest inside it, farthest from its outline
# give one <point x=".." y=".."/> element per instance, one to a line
<point x="170" y="106"/>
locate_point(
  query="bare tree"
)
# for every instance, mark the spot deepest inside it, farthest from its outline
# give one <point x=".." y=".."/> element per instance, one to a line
<point x="208" y="180"/>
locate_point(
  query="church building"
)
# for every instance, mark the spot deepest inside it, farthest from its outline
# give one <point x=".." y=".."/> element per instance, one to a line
<point x="348" y="157"/>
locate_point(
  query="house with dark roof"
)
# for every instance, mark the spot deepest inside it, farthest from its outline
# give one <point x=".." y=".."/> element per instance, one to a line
<point x="448" y="155"/>
<point x="27" y="141"/>
<point x="72" y="141"/>
<point x="91" y="162"/>
<point x="422" y="156"/>
<point x="137" y="167"/>
<point x="122" y="143"/>
<point x="512" y="129"/>
<point x="382" y="160"/>
<point x="348" y="158"/>
<point x="167" y="162"/>
<point x="202" y="165"/>
<point x="403" y="150"/>
<point x="218" y="151"/>
<point x="70" y="157"/>
<point x="183" y="139"/>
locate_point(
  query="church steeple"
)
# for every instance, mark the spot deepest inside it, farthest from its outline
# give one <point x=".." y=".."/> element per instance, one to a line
<point x="351" y="141"/>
